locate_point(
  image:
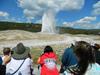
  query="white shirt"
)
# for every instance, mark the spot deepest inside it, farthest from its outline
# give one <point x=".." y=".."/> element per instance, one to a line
<point x="92" y="70"/>
<point x="24" y="69"/>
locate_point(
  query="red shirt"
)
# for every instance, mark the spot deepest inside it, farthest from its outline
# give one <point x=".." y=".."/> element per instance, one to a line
<point x="45" y="58"/>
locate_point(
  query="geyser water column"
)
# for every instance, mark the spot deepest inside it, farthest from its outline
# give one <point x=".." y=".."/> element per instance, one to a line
<point x="48" y="22"/>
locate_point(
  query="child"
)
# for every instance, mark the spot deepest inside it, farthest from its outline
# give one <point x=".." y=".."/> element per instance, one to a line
<point x="48" y="62"/>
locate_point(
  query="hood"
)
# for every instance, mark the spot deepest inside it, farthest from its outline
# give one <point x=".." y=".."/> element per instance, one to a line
<point x="50" y="55"/>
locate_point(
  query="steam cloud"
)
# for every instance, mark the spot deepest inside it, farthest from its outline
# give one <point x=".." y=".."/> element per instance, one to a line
<point x="36" y="8"/>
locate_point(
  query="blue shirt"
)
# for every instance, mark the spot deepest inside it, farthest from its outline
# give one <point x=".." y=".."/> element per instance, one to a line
<point x="0" y="60"/>
<point x="69" y="58"/>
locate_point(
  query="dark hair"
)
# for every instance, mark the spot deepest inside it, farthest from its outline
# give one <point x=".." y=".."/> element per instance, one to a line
<point x="6" y="51"/>
<point x="48" y="49"/>
<point x="12" y="52"/>
<point x="29" y="55"/>
<point x="85" y="53"/>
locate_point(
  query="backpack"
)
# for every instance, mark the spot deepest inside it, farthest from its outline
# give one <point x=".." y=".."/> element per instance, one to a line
<point x="2" y="69"/>
<point x="50" y="63"/>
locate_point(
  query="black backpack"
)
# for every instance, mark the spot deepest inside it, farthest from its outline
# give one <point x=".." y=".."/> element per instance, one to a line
<point x="2" y="70"/>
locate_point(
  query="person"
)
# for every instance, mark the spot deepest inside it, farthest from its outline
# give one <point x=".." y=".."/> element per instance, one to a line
<point x="20" y="63"/>
<point x="68" y="59"/>
<point x="1" y="60"/>
<point x="4" y="60"/>
<point x="3" y="64"/>
<point x="48" y="62"/>
<point x="6" y="52"/>
<point x="86" y="60"/>
<point x="97" y="52"/>
<point x="2" y="67"/>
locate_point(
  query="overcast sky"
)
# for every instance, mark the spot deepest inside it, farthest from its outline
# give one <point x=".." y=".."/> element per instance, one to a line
<point x="71" y="13"/>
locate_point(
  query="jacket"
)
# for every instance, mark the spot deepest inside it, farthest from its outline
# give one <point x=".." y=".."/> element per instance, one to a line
<point x="48" y="69"/>
<point x="69" y="57"/>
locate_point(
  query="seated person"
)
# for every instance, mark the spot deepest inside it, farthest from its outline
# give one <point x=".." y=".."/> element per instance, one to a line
<point x="86" y="60"/>
<point x="48" y="62"/>
<point x="68" y="59"/>
<point x="21" y="63"/>
<point x="6" y="52"/>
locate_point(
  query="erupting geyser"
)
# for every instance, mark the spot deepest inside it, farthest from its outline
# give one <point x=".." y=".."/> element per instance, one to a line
<point x="48" y="22"/>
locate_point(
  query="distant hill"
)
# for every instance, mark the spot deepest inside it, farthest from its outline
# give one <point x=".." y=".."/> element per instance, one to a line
<point x="21" y="26"/>
<point x="78" y="31"/>
<point x="37" y="28"/>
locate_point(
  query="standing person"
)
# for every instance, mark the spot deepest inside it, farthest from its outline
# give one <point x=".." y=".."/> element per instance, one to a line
<point x="97" y="52"/>
<point x="20" y="63"/>
<point x="48" y="62"/>
<point x="68" y="59"/>
<point x="86" y="60"/>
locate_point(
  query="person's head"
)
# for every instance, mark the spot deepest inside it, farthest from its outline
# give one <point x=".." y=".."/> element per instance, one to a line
<point x="48" y="49"/>
<point x="85" y="55"/>
<point x="84" y="50"/>
<point x="29" y="55"/>
<point x="6" y="51"/>
<point x="20" y="52"/>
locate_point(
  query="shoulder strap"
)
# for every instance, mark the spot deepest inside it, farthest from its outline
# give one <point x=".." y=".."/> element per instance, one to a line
<point x="73" y="69"/>
<point x="18" y="68"/>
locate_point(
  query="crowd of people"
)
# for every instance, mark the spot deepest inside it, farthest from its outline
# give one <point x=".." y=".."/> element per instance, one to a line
<point x="81" y="58"/>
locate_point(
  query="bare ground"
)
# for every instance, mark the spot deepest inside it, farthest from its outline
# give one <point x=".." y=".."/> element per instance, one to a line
<point x="10" y="38"/>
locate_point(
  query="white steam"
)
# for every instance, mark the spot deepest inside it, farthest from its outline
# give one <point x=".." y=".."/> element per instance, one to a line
<point x="36" y="8"/>
<point x="48" y="22"/>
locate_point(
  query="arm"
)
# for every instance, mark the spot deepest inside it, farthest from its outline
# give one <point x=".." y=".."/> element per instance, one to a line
<point x="3" y="66"/>
<point x="65" y="57"/>
<point x="31" y="67"/>
<point x="6" y="60"/>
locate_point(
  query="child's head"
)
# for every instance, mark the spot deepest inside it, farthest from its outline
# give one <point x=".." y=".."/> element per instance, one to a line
<point x="48" y="49"/>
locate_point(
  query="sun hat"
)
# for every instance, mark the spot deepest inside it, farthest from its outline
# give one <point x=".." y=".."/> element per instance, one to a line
<point x="20" y="52"/>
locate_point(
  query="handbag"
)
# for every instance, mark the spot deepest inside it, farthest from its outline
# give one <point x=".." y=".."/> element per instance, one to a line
<point x="16" y="70"/>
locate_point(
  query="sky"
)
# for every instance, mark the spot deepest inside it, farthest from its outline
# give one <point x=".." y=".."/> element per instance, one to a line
<point x="84" y="14"/>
